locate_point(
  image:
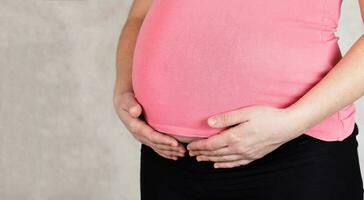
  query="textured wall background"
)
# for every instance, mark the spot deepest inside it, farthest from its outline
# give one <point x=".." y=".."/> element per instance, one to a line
<point x="60" y="138"/>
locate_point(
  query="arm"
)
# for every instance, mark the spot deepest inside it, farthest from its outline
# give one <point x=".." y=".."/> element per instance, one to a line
<point x="343" y="85"/>
<point x="126" y="45"/>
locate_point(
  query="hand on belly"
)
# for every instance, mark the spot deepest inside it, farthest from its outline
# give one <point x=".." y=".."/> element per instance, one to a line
<point x="252" y="133"/>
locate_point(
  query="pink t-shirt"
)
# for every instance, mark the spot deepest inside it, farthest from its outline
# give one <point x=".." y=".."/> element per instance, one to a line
<point x="197" y="58"/>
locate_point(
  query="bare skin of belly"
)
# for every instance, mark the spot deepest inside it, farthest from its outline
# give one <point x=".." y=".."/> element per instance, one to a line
<point x="185" y="139"/>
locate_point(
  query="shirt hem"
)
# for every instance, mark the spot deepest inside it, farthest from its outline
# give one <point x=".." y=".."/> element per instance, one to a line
<point x="190" y="132"/>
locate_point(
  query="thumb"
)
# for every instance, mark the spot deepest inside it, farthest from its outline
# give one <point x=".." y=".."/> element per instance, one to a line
<point x="130" y="104"/>
<point x="229" y="118"/>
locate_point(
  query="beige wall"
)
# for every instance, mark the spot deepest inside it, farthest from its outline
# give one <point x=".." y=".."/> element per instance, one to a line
<point x="59" y="135"/>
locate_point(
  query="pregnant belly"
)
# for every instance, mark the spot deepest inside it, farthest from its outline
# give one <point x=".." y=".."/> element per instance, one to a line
<point x="182" y="75"/>
<point x="178" y="98"/>
<point x="179" y="93"/>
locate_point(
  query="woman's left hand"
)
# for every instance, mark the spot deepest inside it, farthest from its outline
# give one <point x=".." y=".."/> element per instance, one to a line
<point x="255" y="132"/>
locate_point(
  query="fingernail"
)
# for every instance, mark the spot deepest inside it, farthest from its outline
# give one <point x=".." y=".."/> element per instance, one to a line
<point x="131" y="109"/>
<point x="212" y="121"/>
<point x="198" y="159"/>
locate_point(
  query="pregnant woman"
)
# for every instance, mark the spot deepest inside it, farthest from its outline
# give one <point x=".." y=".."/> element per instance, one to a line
<point x="241" y="100"/>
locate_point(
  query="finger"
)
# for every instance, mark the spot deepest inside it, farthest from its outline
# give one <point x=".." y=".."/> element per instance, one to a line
<point x="126" y="118"/>
<point x="167" y="154"/>
<point x="141" y="139"/>
<point x="179" y="148"/>
<point x="141" y="128"/>
<point x="163" y="155"/>
<point x="231" y="164"/>
<point x="219" y="152"/>
<point x="227" y="158"/>
<point x="159" y="138"/>
<point x="212" y="143"/>
<point x="130" y="104"/>
<point x="168" y="157"/>
<point x="230" y="118"/>
<point x="171" y="153"/>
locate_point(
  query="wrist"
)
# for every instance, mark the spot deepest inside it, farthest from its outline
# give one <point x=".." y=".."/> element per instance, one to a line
<point x="297" y="120"/>
<point x="120" y="91"/>
<point x="122" y="87"/>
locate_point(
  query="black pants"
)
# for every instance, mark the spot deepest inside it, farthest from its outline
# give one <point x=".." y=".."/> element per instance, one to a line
<point x="304" y="168"/>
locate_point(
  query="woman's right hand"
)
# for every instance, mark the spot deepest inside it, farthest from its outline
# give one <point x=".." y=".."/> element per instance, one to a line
<point x="129" y="110"/>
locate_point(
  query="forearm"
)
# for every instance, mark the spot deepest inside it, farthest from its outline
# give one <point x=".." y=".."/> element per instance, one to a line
<point x="124" y="57"/>
<point x="344" y="84"/>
